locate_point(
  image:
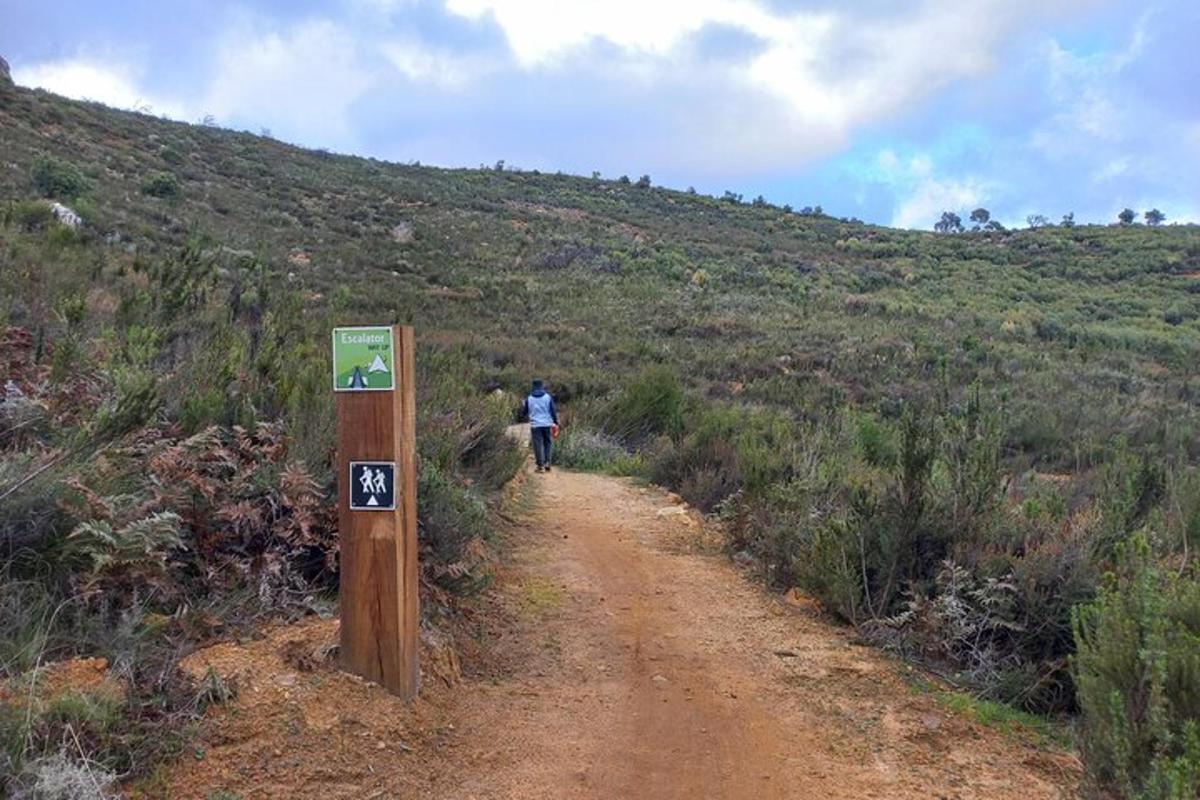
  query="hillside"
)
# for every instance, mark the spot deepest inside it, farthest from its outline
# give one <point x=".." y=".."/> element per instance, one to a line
<point x="789" y="308"/>
<point x="946" y="438"/>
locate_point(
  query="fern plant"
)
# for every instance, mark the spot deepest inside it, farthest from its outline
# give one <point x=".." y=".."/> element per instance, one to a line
<point x="142" y="545"/>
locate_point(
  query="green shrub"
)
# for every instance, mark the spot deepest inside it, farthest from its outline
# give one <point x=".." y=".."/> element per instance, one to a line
<point x="489" y="457"/>
<point x="26" y="611"/>
<point x="922" y="553"/>
<point x="581" y="449"/>
<point x="1131" y="487"/>
<point x="98" y="712"/>
<point x="703" y="472"/>
<point x="724" y="449"/>
<point x="799" y="543"/>
<point x="876" y="442"/>
<point x="1052" y="568"/>
<point x="57" y="179"/>
<point x="900" y="543"/>
<point x="30" y="517"/>
<point x="29" y="215"/>
<point x="163" y="185"/>
<point x="1176" y="315"/>
<point x="1137" y="673"/>
<point x="650" y="404"/>
<point x="454" y="523"/>
<point x="62" y="236"/>
<point x="1184" y="523"/>
<point x="461" y="432"/>
<point x="184" y="280"/>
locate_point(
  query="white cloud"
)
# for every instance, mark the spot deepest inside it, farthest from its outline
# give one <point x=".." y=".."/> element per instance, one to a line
<point x="1112" y="169"/>
<point x="932" y="196"/>
<point x="381" y="6"/>
<point x="821" y="75"/>
<point x="541" y="31"/>
<point x="301" y="81"/>
<point x="925" y="194"/>
<point x="442" y="68"/>
<point x="630" y="85"/>
<point x="1081" y="86"/>
<point x="111" y="84"/>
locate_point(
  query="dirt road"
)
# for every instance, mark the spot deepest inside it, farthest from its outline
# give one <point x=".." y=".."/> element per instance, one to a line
<point x="634" y="662"/>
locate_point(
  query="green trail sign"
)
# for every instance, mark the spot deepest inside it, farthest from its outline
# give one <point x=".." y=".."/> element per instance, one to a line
<point x="363" y="360"/>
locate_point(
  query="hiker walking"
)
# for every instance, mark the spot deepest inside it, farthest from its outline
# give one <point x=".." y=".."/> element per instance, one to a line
<point x="539" y="409"/>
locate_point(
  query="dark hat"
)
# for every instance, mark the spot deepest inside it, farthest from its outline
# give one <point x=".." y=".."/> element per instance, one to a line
<point x="537" y="384"/>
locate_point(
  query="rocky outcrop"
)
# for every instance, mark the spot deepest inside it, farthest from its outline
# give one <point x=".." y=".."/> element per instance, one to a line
<point x="402" y="232"/>
<point x="65" y="215"/>
<point x="5" y="75"/>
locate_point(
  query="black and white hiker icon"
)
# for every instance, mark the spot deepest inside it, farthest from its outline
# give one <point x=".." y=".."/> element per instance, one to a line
<point x="372" y="485"/>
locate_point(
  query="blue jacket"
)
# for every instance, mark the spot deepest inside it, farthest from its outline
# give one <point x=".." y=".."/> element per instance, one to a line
<point x="539" y="409"/>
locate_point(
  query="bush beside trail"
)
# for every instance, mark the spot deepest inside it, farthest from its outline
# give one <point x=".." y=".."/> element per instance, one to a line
<point x="1137" y="669"/>
<point x="166" y="480"/>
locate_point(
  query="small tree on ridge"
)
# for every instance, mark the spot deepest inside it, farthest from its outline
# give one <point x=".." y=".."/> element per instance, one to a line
<point x="949" y="223"/>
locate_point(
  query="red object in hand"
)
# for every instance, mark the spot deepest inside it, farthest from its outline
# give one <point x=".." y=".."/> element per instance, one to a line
<point x="554" y="431"/>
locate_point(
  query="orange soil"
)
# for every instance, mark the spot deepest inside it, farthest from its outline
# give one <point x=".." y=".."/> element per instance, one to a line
<point x="626" y="659"/>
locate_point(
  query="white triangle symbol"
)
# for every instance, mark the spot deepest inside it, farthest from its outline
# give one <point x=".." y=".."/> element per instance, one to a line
<point x="377" y="365"/>
<point x="372" y="501"/>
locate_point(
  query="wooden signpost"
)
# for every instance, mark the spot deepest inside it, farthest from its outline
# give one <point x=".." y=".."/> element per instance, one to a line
<point x="377" y="504"/>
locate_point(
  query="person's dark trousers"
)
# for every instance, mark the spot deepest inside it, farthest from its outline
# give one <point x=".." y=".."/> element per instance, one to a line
<point x="543" y="443"/>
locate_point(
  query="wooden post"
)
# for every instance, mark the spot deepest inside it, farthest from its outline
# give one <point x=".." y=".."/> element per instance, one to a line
<point x="378" y="589"/>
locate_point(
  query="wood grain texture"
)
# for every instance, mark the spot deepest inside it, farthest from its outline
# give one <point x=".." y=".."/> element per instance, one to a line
<point x="378" y="588"/>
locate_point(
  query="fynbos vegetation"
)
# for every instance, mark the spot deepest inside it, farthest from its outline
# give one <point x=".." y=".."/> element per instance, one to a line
<point x="979" y="449"/>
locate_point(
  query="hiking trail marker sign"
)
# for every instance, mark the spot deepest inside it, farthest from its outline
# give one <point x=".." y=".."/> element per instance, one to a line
<point x="373" y="377"/>
<point x="363" y="360"/>
<point x="372" y="485"/>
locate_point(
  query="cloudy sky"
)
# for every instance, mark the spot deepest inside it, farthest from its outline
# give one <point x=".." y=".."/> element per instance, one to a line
<point x="888" y="110"/>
